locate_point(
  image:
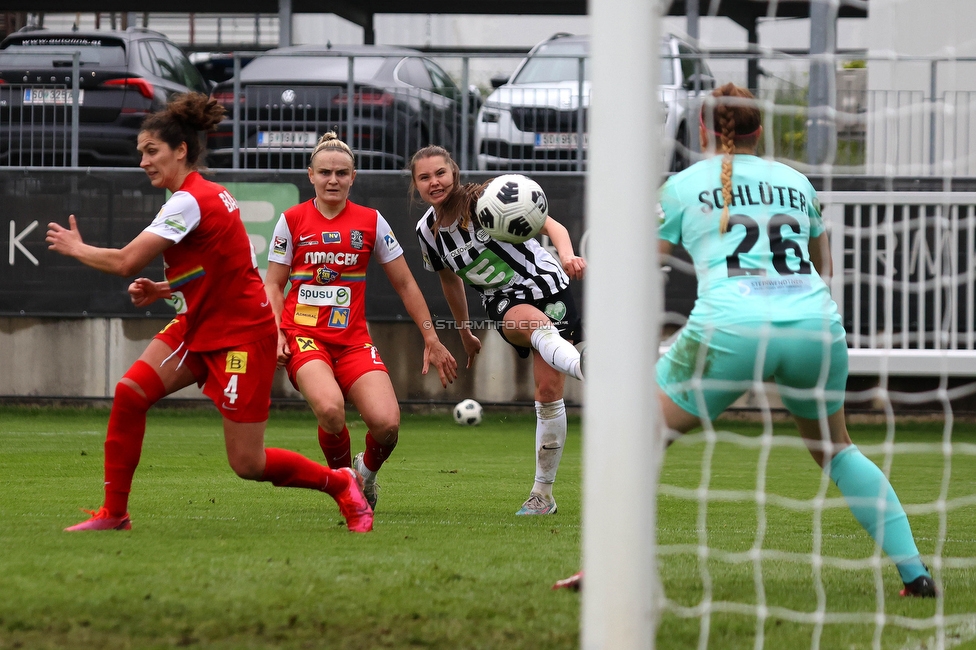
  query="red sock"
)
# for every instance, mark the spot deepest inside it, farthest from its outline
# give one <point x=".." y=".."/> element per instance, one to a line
<point x="335" y="446"/>
<point x="376" y="454"/>
<point x="126" y="429"/>
<point x="285" y="468"/>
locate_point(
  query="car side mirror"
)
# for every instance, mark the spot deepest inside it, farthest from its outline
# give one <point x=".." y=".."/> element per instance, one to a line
<point x="474" y="98"/>
<point x="498" y="81"/>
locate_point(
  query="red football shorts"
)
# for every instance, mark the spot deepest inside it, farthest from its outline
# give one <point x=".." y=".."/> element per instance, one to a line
<point x="173" y="335"/>
<point x="239" y="379"/>
<point x="348" y="362"/>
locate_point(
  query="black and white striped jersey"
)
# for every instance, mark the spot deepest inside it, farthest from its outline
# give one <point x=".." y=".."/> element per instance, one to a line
<point x="525" y="270"/>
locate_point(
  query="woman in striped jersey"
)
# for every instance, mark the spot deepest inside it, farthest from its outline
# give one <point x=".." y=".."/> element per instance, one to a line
<point x="524" y="289"/>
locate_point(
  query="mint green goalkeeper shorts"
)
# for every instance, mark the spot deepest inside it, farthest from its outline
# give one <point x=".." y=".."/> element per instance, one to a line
<point x="707" y="370"/>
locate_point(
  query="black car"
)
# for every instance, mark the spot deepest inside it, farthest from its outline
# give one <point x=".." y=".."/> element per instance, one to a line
<point x="124" y="75"/>
<point x="385" y="102"/>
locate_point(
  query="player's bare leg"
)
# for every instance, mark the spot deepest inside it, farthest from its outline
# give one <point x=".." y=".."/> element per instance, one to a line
<point x="374" y="398"/>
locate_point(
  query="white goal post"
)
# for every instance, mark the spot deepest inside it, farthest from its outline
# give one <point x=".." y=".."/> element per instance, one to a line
<point x="904" y="280"/>
<point x="622" y="596"/>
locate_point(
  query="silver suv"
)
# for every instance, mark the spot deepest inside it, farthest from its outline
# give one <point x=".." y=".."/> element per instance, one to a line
<point x="535" y="120"/>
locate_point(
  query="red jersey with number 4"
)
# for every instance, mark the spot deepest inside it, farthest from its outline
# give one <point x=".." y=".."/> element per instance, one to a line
<point x="328" y="260"/>
<point x="211" y="268"/>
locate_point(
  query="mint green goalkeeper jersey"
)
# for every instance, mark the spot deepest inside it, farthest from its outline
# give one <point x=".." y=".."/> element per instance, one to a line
<point x="760" y="269"/>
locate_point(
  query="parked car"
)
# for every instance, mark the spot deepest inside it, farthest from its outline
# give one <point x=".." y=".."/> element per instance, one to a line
<point x="124" y="76"/>
<point x="396" y="101"/>
<point x="531" y="122"/>
<point x="219" y="66"/>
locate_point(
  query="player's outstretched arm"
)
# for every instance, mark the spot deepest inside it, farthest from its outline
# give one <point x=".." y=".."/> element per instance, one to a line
<point x="453" y="288"/>
<point x="574" y="265"/>
<point x="131" y="259"/>
<point x="434" y="351"/>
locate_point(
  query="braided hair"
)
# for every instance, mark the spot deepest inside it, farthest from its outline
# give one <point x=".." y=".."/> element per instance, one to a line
<point x="736" y="119"/>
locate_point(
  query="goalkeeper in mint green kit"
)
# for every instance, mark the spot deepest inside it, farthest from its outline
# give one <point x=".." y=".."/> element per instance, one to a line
<point x="754" y="230"/>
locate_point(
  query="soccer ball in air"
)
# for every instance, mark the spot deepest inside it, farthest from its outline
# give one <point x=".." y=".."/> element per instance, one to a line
<point x="513" y="208"/>
<point x="468" y="412"/>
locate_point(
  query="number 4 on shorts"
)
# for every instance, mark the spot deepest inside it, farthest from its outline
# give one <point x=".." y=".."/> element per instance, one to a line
<point x="230" y="392"/>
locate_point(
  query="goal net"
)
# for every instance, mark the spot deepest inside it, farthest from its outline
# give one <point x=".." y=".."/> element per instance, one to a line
<point x="742" y="540"/>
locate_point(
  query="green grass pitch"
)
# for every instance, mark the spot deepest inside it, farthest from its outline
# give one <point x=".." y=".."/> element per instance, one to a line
<point x="216" y="562"/>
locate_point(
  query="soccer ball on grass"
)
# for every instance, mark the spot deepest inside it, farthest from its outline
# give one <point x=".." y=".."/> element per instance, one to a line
<point x="468" y="412"/>
<point x="512" y="208"/>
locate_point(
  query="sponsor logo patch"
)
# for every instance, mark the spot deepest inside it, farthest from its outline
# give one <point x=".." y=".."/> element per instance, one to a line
<point x="324" y="296"/>
<point x="236" y="362"/>
<point x="306" y="344"/>
<point x="356" y="239"/>
<point x="279" y="245"/>
<point x="556" y="311"/>
<point x="175" y="222"/>
<point x="774" y="286"/>
<point x="391" y="242"/>
<point x="325" y="275"/>
<point x="306" y="315"/>
<point x="458" y="252"/>
<point x="331" y="238"/>
<point x="339" y="318"/>
<point x="340" y="259"/>
<point x="178" y="302"/>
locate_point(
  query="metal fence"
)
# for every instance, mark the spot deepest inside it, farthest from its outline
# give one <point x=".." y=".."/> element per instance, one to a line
<point x="929" y="132"/>
<point x="40" y="123"/>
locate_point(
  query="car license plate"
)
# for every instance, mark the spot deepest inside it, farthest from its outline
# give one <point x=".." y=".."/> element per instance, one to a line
<point x="51" y="97"/>
<point x="559" y="140"/>
<point x="287" y="138"/>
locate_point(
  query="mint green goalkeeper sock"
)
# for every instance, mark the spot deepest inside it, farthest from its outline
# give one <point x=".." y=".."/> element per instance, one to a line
<point x="861" y="482"/>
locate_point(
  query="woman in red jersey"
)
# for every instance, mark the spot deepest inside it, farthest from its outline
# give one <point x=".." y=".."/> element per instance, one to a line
<point x="224" y="336"/>
<point x="323" y="247"/>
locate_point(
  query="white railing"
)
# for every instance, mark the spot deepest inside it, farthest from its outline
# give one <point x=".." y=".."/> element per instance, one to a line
<point x="905" y="279"/>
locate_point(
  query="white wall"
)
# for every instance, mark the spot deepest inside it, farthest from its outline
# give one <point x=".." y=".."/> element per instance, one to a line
<point x="900" y="115"/>
<point x="928" y="28"/>
<point x="86" y="357"/>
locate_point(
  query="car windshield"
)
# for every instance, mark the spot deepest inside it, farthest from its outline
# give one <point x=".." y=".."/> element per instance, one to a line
<point x="40" y="54"/>
<point x="310" y="68"/>
<point x="541" y="68"/>
<point x="548" y="65"/>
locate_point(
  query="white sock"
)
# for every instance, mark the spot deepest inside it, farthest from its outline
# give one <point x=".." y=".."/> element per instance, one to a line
<point x="550" y="438"/>
<point x="557" y="351"/>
